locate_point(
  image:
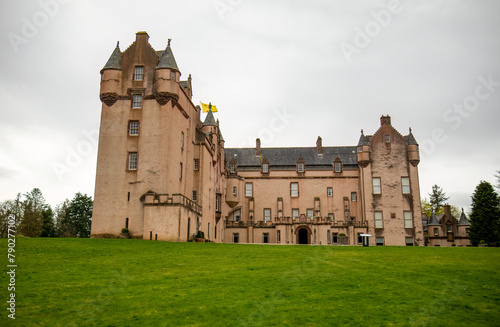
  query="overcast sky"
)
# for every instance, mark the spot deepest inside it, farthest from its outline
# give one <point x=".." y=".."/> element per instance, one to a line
<point x="284" y="71"/>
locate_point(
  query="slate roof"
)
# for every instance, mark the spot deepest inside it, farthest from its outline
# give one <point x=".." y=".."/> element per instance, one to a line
<point x="463" y="219"/>
<point x="410" y="139"/>
<point x="286" y="158"/>
<point x="363" y="140"/>
<point x="167" y="59"/>
<point x="115" y="60"/>
<point x="434" y="220"/>
<point x="209" y="119"/>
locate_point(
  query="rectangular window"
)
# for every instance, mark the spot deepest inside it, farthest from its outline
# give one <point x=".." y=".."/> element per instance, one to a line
<point x="328" y="237"/>
<point x="237" y="215"/>
<point x="265" y="168"/>
<point x="329" y="191"/>
<point x="232" y="168"/>
<point x="195" y="196"/>
<point x="248" y="189"/>
<point x="217" y="202"/>
<point x="310" y="213"/>
<point x="300" y="167"/>
<point x="133" y="128"/>
<point x="467" y="231"/>
<point x="295" y="213"/>
<point x="436" y="232"/>
<point x="278" y="236"/>
<point x="294" y="190"/>
<point x="182" y="140"/>
<point x="132" y="161"/>
<point x="379" y="221"/>
<point x="330" y="216"/>
<point x="136" y="101"/>
<point x="379" y="241"/>
<point x="354" y="196"/>
<point x="172" y="74"/>
<point x="180" y="171"/>
<point x="409" y="241"/>
<point x="360" y="148"/>
<point x="265" y="238"/>
<point x="234" y="190"/>
<point x="405" y="185"/>
<point x="387" y="138"/>
<point x="236" y="238"/>
<point x="360" y="238"/>
<point x="408" y="215"/>
<point x="196" y="164"/>
<point x="138" y="73"/>
<point x="338" y="167"/>
<point x="335" y="238"/>
<point x="267" y="214"/>
<point x="448" y="228"/>
<point x="376" y="185"/>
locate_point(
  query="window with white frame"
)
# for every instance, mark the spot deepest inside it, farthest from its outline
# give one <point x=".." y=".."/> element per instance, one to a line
<point x="265" y="168"/>
<point x="294" y="190"/>
<point x="329" y="191"/>
<point x="137" y="101"/>
<point x="295" y="213"/>
<point x="310" y="213"/>
<point x="338" y="167"/>
<point x="133" y="128"/>
<point x="405" y="185"/>
<point x="196" y="164"/>
<point x="354" y="197"/>
<point x="232" y="168"/>
<point x="237" y="215"/>
<point x="267" y="214"/>
<point x="300" y="167"/>
<point x="138" y="73"/>
<point x="132" y="161"/>
<point x="330" y="216"/>
<point x="235" y="190"/>
<point x="379" y="221"/>
<point x="248" y="189"/>
<point x="408" y="215"/>
<point x="376" y="185"/>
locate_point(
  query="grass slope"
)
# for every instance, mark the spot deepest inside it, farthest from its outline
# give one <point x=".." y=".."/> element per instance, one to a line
<point x="84" y="282"/>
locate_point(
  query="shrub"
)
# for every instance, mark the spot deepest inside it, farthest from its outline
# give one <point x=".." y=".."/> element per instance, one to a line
<point x="200" y="234"/>
<point x="342" y="234"/>
<point x="124" y="230"/>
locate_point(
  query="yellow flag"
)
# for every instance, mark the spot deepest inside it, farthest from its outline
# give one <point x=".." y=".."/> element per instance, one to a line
<point x="204" y="107"/>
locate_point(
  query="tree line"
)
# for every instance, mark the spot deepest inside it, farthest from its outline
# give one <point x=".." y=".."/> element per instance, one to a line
<point x="35" y="218"/>
<point x="484" y="217"/>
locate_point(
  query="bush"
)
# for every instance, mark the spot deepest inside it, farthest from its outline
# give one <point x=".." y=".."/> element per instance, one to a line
<point x="200" y="234"/>
<point x="124" y="230"/>
<point x="342" y="234"/>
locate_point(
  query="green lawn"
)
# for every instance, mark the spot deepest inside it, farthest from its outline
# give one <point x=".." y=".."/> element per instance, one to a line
<point x="90" y="282"/>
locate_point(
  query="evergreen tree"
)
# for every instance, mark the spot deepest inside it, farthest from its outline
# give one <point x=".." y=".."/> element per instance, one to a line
<point x="485" y="215"/>
<point x="48" y="227"/>
<point x="32" y="220"/>
<point x="437" y="198"/>
<point x="61" y="221"/>
<point x="498" y="180"/>
<point x="77" y="218"/>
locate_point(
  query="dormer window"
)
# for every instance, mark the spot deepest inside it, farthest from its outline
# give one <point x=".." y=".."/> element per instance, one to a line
<point x="337" y="165"/>
<point x="138" y="73"/>
<point x="232" y="167"/>
<point x="300" y="167"/>
<point x="265" y="168"/>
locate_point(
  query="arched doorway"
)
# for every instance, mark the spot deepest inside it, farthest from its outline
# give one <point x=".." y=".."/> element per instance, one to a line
<point x="303" y="235"/>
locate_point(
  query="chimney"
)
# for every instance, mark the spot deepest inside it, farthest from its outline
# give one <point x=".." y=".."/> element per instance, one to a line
<point x="139" y="35"/>
<point x="319" y="145"/>
<point x="257" y="147"/>
<point x="385" y="120"/>
<point x="447" y="210"/>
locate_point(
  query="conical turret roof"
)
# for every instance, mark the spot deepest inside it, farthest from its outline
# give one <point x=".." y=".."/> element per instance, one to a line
<point x="115" y="60"/>
<point x="410" y="139"/>
<point x="434" y="220"/>
<point x="167" y="60"/>
<point x="463" y="219"/>
<point x="209" y="119"/>
<point x="363" y="140"/>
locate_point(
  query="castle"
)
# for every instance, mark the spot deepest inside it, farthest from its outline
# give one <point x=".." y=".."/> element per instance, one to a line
<point x="165" y="174"/>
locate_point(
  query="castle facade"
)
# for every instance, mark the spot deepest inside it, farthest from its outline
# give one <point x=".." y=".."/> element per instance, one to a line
<point x="165" y="174"/>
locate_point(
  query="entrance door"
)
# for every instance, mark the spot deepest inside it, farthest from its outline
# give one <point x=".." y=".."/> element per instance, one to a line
<point x="303" y="236"/>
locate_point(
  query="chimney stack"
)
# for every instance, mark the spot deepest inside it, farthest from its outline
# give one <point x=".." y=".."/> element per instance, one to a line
<point x="385" y="120"/>
<point x="257" y="147"/>
<point x="319" y="145"/>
